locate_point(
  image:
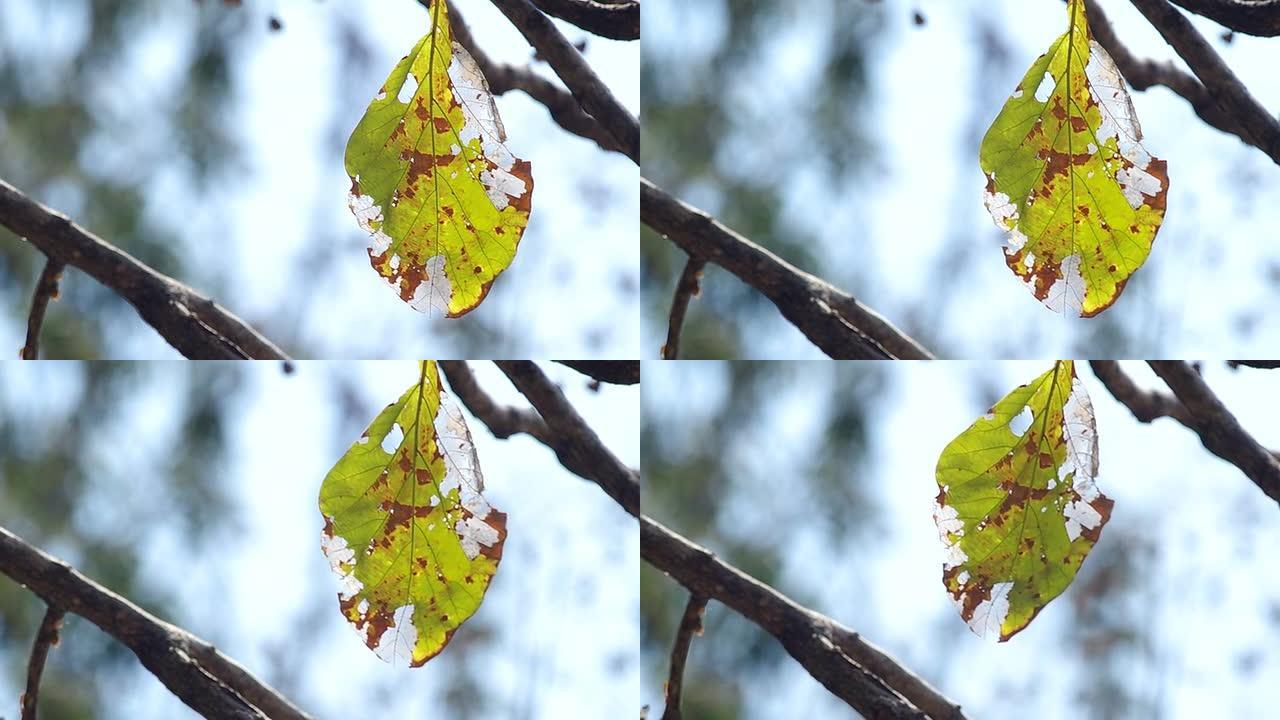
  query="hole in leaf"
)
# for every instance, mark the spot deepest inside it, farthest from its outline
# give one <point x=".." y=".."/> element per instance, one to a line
<point x="1021" y="422"/>
<point x="393" y="439"/>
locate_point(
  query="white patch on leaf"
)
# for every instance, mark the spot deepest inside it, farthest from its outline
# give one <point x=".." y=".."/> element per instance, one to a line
<point x="408" y="89"/>
<point x="991" y="612"/>
<point x="434" y="291"/>
<point x="397" y="641"/>
<point x="1080" y="516"/>
<point x="1046" y="88"/>
<point x="1066" y="294"/>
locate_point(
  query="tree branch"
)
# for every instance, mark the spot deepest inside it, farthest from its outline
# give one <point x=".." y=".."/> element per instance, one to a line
<point x="193" y="324"/>
<point x="1146" y="405"/>
<point x="46" y="637"/>
<point x="686" y="288"/>
<point x="555" y="424"/>
<point x="1258" y="364"/>
<point x="831" y="319"/>
<point x="854" y="670"/>
<point x="1252" y="17"/>
<point x="502" y="420"/>
<point x="617" y="21"/>
<point x="1261" y="128"/>
<point x="199" y="675"/>
<point x="591" y="93"/>
<point x="502" y="78"/>
<point x="690" y="625"/>
<point x="1219" y="431"/>
<point x="46" y="291"/>
<point x="575" y="444"/>
<point x="614" y="372"/>
<point x="1145" y="74"/>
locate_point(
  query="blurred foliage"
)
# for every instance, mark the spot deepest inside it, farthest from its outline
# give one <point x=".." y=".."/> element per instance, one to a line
<point x="718" y="474"/>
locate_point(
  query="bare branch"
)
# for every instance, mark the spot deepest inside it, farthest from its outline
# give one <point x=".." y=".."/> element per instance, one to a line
<point x="1259" y="364"/>
<point x="193" y="670"/>
<point x="592" y="94"/>
<point x="1219" y="431"/>
<point x="1251" y="17"/>
<point x="46" y="291"/>
<point x="854" y="670"/>
<point x="1145" y="74"/>
<point x="690" y="625"/>
<point x="617" y="21"/>
<point x="686" y="288"/>
<point x="831" y="319"/>
<point x="502" y="420"/>
<point x="503" y="78"/>
<point x="1146" y="405"/>
<point x="193" y="324"/>
<point x="1261" y="128"/>
<point x="575" y="444"/>
<point x="614" y="372"/>
<point x="46" y="637"/>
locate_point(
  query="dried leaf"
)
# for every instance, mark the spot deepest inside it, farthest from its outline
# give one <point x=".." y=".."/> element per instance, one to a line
<point x="1017" y="506"/>
<point x="1068" y="178"/>
<point x="406" y="526"/>
<point x="444" y="201"/>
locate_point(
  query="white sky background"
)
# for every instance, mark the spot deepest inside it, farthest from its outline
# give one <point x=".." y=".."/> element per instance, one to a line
<point x="581" y="243"/>
<point x="1211" y="272"/>
<point x="563" y="604"/>
<point x="1214" y="572"/>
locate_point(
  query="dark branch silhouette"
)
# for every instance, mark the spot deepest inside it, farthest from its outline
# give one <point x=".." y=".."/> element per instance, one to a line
<point x="690" y="625"/>
<point x="193" y="670"/>
<point x="1251" y="17"/>
<point x="854" y="670"/>
<point x="832" y="319"/>
<point x="687" y="287"/>
<point x="614" y="20"/>
<point x="1261" y="128"/>
<point x="591" y="93"/>
<point x="46" y="638"/>
<point x="46" y="291"/>
<point x="614" y="372"/>
<point x="503" y="78"/>
<point x="1219" y="431"/>
<point x="196" y="326"/>
<point x="575" y="444"/>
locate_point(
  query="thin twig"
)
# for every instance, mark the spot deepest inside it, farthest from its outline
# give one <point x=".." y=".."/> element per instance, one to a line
<point x="690" y="625"/>
<point x="45" y="292"/>
<point x="591" y="92"/>
<point x="1259" y="364"/>
<point x="503" y="78"/>
<point x="832" y="319"/>
<point x="1219" y="431"/>
<point x="686" y="289"/>
<point x="46" y="637"/>
<point x="1261" y="127"/>
<point x="194" y="671"/>
<point x="193" y="324"/>
<point x="1252" y="17"/>
<point x="617" y="21"/>
<point x="862" y="675"/>
<point x="575" y="444"/>
<point x="614" y="372"/>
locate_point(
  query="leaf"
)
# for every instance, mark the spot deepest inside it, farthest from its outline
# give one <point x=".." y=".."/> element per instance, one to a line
<point x="1068" y="178"/>
<point x="406" y="528"/>
<point x="444" y="201"/>
<point x="1017" y="506"/>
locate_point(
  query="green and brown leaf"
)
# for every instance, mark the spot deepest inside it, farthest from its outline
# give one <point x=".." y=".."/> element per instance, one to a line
<point x="406" y="526"/>
<point x="1017" y="507"/>
<point x="443" y="200"/>
<point x="1068" y="178"/>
